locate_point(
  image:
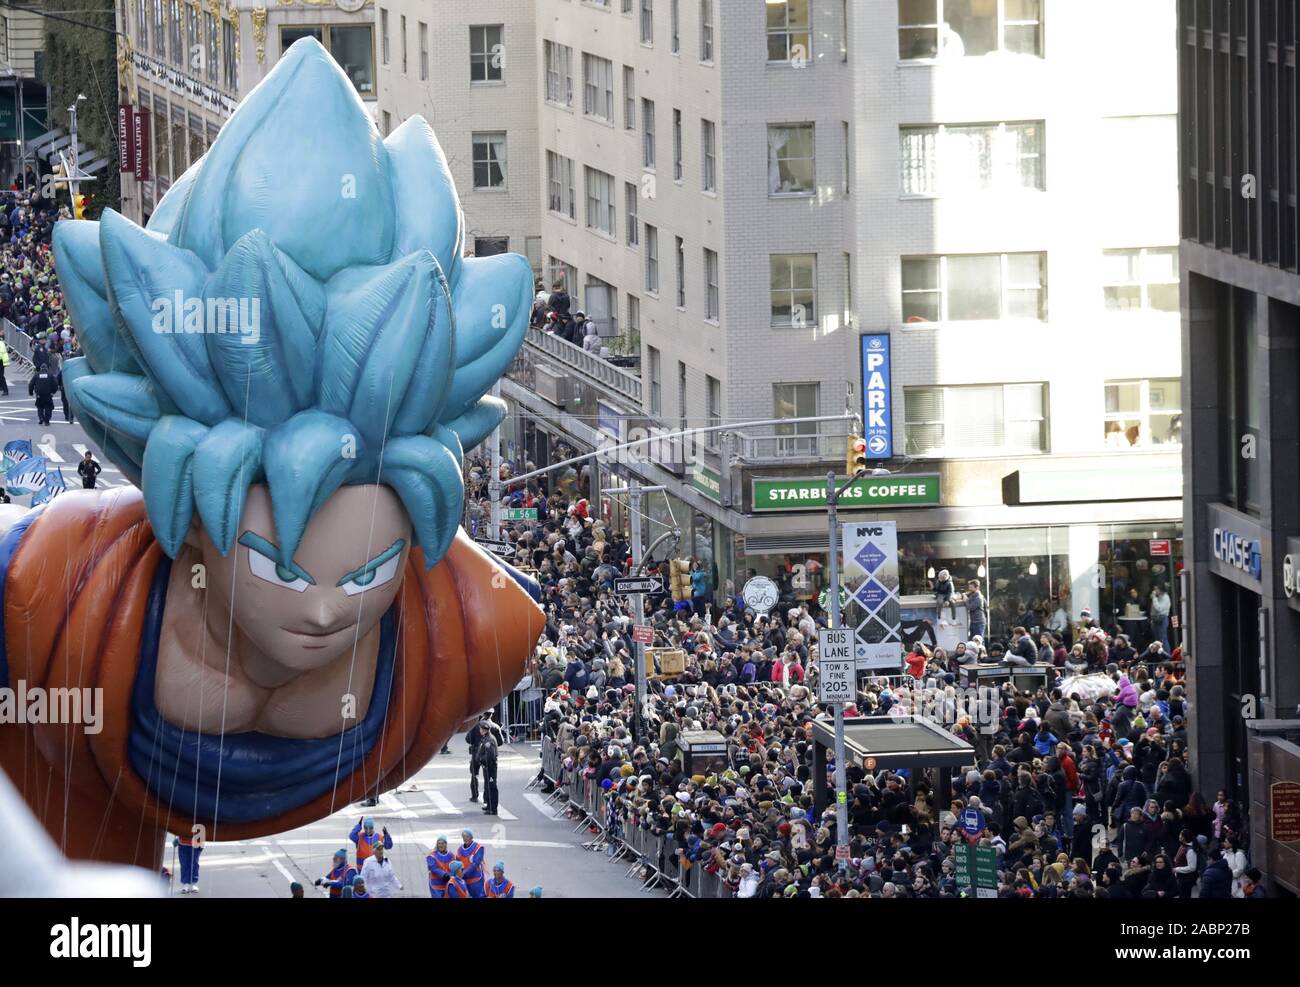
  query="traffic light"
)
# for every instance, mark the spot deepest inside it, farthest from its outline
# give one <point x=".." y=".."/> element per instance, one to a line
<point x="856" y="460"/>
<point x="679" y="571"/>
<point x="79" y="206"/>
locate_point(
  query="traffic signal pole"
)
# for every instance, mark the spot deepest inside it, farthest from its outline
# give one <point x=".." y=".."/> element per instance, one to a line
<point x="841" y="781"/>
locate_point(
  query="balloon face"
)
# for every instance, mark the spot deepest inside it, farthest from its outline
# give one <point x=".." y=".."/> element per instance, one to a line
<point x="345" y="576"/>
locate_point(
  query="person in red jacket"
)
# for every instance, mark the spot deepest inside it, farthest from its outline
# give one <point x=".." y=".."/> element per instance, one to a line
<point x="916" y="661"/>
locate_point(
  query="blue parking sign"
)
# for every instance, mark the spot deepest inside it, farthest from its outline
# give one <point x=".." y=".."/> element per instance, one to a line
<point x="877" y="400"/>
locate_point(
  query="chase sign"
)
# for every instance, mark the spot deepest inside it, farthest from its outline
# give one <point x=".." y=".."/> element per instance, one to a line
<point x="1236" y="546"/>
<point x="1238" y="552"/>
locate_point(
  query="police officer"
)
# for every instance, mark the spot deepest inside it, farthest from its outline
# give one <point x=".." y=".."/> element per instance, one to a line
<point x="88" y="470"/>
<point x="43" y="384"/>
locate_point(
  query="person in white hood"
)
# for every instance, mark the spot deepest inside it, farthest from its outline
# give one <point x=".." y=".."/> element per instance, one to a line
<point x="748" y="882"/>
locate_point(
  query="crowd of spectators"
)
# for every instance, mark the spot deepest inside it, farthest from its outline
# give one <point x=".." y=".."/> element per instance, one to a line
<point x="29" y="288"/>
<point x="1083" y="784"/>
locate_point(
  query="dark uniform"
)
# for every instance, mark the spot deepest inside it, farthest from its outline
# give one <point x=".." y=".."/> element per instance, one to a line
<point x="44" y="385"/>
<point x="88" y="470"/>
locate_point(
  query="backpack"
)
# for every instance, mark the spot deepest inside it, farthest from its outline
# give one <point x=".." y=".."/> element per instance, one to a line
<point x="1033" y="802"/>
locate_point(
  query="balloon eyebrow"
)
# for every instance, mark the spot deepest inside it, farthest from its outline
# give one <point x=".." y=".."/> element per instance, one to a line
<point x="257" y="543"/>
<point x="394" y="549"/>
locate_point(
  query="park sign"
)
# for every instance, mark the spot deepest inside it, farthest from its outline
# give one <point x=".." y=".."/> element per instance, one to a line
<point x="899" y="490"/>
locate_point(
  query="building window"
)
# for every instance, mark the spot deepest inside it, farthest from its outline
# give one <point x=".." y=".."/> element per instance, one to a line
<point x="955" y="28"/>
<point x="402" y="41"/>
<point x="423" y="30"/>
<point x="490" y="160"/>
<point x="682" y="420"/>
<point x="487" y="54"/>
<point x="848" y="157"/>
<point x="679" y="166"/>
<point x="711" y="306"/>
<point x="194" y="36"/>
<point x="651" y="260"/>
<point x="647" y="22"/>
<point x="213" y="65"/>
<point x="794" y="290"/>
<point x="629" y="98"/>
<point x="945" y="160"/>
<point x="706" y="30"/>
<point x="490" y="246"/>
<point x="967" y="287"/>
<point x="630" y="343"/>
<point x="559" y="185"/>
<point x="983" y="420"/>
<point x="1140" y="279"/>
<point x="675" y="25"/>
<point x="229" y="61"/>
<point x="796" y="401"/>
<point x="791" y="162"/>
<point x="1143" y="413"/>
<point x="383" y="35"/>
<point x="648" y="133"/>
<point x="713" y="406"/>
<point x="631" y="195"/>
<point x="142" y="26"/>
<point x="160" y="28"/>
<point x="563" y="275"/>
<point x="656" y="381"/>
<point x="558" y="59"/>
<point x="598" y="87"/>
<point x="708" y="156"/>
<point x="388" y="123"/>
<point x="600" y="201"/>
<point x="352" y="47"/>
<point x="679" y="258"/>
<point x="849" y="318"/>
<point x="174" y="19"/>
<point x="788" y="32"/>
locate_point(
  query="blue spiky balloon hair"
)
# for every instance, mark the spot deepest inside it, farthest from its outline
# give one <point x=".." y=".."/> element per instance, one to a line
<point x="375" y="340"/>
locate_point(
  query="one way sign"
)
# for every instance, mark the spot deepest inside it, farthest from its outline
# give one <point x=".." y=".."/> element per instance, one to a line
<point x="638" y="584"/>
<point x="501" y="548"/>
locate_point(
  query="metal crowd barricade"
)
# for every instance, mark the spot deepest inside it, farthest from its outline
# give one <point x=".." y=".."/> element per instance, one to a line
<point x="19" y="344"/>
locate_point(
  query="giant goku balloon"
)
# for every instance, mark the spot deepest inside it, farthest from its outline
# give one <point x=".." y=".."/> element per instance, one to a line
<point x="289" y="361"/>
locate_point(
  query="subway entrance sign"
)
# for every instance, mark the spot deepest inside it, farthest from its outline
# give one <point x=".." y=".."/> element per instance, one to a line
<point x="901" y="490"/>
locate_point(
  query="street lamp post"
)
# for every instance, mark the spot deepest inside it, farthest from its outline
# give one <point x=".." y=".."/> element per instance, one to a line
<point x="833" y="592"/>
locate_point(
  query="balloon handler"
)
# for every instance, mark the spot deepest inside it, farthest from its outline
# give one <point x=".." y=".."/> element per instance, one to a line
<point x="289" y="362"/>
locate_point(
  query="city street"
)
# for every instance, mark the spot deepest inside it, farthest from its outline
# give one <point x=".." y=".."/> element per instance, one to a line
<point x="61" y="443"/>
<point x="536" y="848"/>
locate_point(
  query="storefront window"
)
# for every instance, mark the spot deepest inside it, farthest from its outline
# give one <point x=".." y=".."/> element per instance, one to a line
<point x="1018" y="587"/>
<point x="922" y="554"/>
<point x="1133" y="559"/>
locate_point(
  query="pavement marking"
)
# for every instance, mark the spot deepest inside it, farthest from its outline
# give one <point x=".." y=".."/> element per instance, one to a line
<point x="51" y="453"/>
<point x="506" y="814"/>
<point x="399" y="809"/>
<point x="443" y="803"/>
<point x="541" y="805"/>
<point x="284" y="871"/>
